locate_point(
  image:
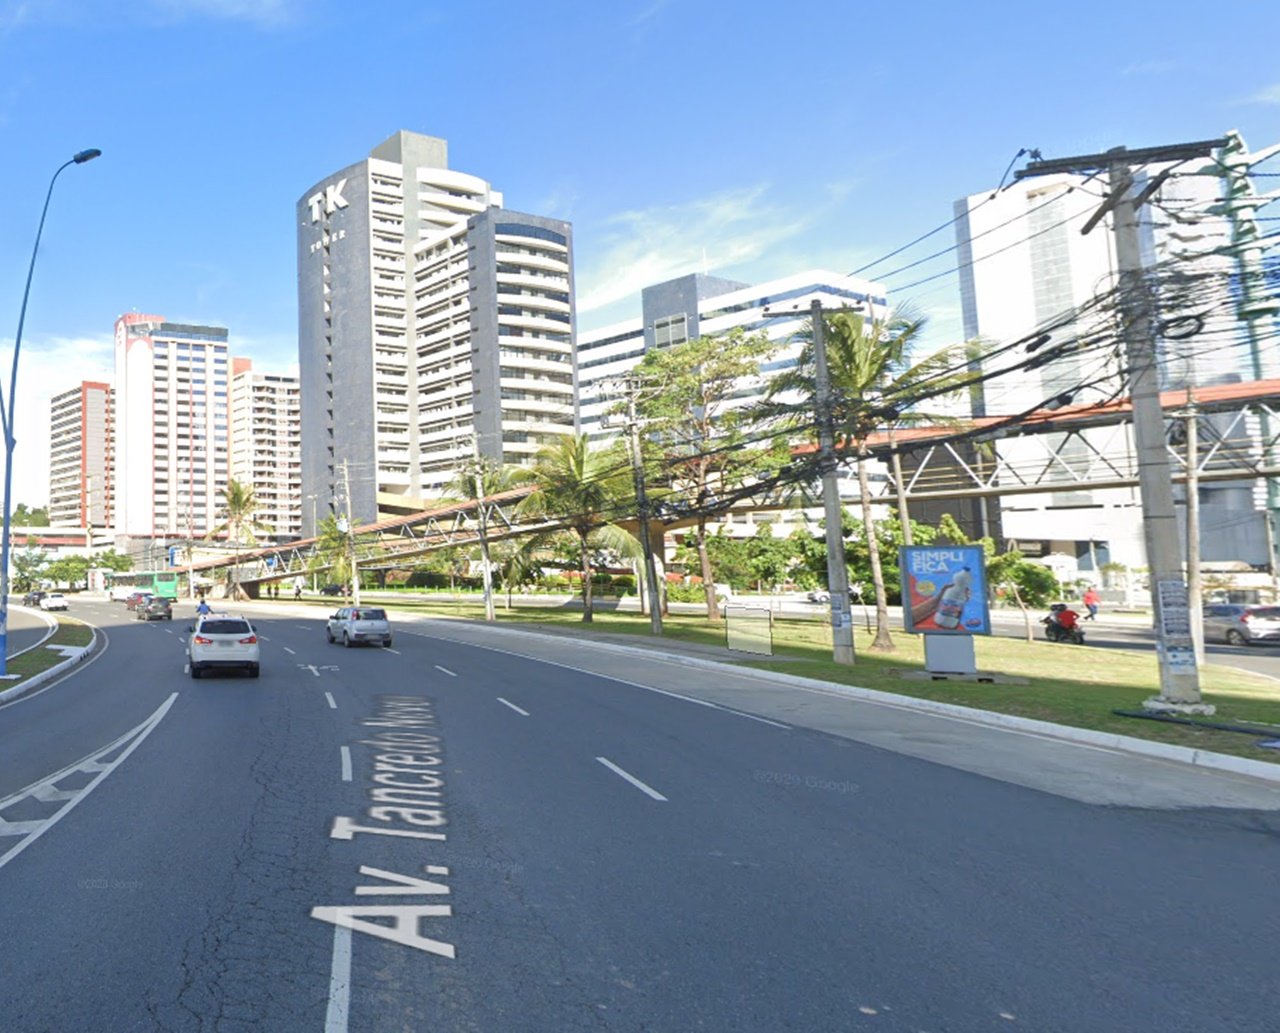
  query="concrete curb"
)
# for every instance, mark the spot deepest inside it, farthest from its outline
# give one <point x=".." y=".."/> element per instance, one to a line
<point x="1259" y="769"/>
<point x="36" y="680"/>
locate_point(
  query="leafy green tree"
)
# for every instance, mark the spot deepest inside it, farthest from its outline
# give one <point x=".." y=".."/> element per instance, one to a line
<point x="698" y="436"/>
<point x="112" y="560"/>
<point x="71" y="571"/>
<point x="28" y="566"/>
<point x="769" y="558"/>
<point x="27" y="517"/>
<point x="874" y="384"/>
<point x="583" y="488"/>
<point x="478" y="479"/>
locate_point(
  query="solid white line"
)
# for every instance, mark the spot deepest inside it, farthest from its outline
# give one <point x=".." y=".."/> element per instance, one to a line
<point x="304" y="627"/>
<point x="288" y="650"/>
<point x="71" y="673"/>
<point x="513" y="707"/>
<point x="632" y="779"/>
<point x="335" y="1019"/>
<point x="143" y="730"/>
<point x="346" y="762"/>
<point x="332" y="704"/>
<point x="446" y="671"/>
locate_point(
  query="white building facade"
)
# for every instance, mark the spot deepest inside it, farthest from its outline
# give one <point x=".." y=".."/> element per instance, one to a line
<point x="433" y="324"/>
<point x="265" y="435"/>
<point x="171" y="446"/>
<point x="81" y="480"/>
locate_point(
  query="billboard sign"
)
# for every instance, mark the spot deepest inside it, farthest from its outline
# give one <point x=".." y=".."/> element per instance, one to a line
<point x="944" y="590"/>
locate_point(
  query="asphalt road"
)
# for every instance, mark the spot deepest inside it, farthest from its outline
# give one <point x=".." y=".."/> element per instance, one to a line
<point x="572" y="852"/>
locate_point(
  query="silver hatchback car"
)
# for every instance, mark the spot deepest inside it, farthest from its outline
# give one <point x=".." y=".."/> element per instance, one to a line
<point x="1241" y="624"/>
<point x="354" y="624"/>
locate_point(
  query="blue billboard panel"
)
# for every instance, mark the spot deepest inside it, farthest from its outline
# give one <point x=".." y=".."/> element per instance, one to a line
<point x="944" y="590"/>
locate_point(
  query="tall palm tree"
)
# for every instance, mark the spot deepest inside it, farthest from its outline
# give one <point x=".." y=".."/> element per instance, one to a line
<point x="874" y="385"/>
<point x="583" y="488"/>
<point x="478" y="479"/>
<point x="239" y="504"/>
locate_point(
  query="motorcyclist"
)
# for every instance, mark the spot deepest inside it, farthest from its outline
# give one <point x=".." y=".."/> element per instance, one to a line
<point x="1065" y="620"/>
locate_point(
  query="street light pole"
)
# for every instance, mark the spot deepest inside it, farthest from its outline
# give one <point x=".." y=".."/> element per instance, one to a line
<point x="6" y="414"/>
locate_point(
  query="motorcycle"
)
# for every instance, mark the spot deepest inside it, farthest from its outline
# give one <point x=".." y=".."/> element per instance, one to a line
<point x="1063" y="625"/>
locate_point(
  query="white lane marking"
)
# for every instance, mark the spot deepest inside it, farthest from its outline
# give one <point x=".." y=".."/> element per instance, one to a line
<point x="92" y="764"/>
<point x="513" y="706"/>
<point x="619" y="681"/>
<point x="106" y="642"/>
<point x="388" y="649"/>
<point x="332" y="704"/>
<point x="288" y="650"/>
<point x="446" y="671"/>
<point x="632" y="779"/>
<point x="304" y="627"/>
<point x="335" y="1019"/>
<point x="346" y="762"/>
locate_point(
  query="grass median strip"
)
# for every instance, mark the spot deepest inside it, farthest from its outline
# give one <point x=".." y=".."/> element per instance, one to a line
<point x="70" y="633"/>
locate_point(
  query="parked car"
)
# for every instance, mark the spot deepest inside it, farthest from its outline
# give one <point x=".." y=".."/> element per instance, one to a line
<point x="819" y="595"/>
<point x="32" y="598"/>
<point x="355" y="624"/>
<point x="136" y="599"/>
<point x="1240" y="624"/>
<point x="333" y="590"/>
<point x="219" y="641"/>
<point x="155" y="609"/>
<point x="53" y="601"/>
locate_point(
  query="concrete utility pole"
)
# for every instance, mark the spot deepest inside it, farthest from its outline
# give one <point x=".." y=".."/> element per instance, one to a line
<point x="482" y="519"/>
<point x="1175" y="648"/>
<point x="351" y="536"/>
<point x="642" y="507"/>
<point x="837" y="570"/>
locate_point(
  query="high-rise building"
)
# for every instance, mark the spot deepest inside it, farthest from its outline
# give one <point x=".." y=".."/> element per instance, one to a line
<point x="699" y="305"/>
<point x="264" y="440"/>
<point x="170" y="451"/>
<point x="432" y="323"/>
<point x="1024" y="262"/>
<point x="80" y="457"/>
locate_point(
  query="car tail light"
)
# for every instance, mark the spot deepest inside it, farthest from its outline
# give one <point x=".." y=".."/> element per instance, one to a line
<point x="200" y="640"/>
<point x="249" y="641"/>
<point x="1246" y="617"/>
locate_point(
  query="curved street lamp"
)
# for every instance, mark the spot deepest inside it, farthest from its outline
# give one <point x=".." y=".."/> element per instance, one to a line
<point x="6" y="415"/>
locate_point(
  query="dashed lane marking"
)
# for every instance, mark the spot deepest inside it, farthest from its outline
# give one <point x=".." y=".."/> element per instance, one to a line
<point x="345" y="752"/>
<point x="445" y="670"/>
<point x="647" y="790"/>
<point x="332" y="704"/>
<point x="336" y="1017"/>
<point x="288" y="650"/>
<point x="513" y="706"/>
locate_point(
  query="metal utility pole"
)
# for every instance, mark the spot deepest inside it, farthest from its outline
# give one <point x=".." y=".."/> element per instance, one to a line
<point x="482" y="518"/>
<point x="837" y="571"/>
<point x="1175" y="648"/>
<point x="351" y="536"/>
<point x="642" y="508"/>
<point x="1195" y="590"/>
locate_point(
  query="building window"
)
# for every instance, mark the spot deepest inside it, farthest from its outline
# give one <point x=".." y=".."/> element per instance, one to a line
<point x="670" y="331"/>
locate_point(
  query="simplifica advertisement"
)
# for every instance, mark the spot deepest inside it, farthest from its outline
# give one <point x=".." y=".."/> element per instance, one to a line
<point x="944" y="590"/>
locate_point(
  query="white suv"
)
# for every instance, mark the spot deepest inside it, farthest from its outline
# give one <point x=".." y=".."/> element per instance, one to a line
<point x="54" y="601"/>
<point x="219" y="640"/>
<point x="354" y="624"/>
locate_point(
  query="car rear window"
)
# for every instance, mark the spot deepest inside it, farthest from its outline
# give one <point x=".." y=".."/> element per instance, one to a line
<point x="225" y="627"/>
<point x="368" y="615"/>
<point x="1272" y="612"/>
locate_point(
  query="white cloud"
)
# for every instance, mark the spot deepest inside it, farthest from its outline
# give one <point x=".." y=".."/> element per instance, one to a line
<point x="645" y="247"/>
<point x="45" y="368"/>
<point x="1270" y="95"/>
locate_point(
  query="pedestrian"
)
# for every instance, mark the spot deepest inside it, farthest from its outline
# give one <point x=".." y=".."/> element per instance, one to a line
<point x="297" y="590"/>
<point x="1091" y="600"/>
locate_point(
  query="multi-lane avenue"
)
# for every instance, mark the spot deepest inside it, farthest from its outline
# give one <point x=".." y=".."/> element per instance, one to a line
<point x="492" y="832"/>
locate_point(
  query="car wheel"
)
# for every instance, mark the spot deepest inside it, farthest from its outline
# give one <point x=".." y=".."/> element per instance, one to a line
<point x="1235" y="638"/>
<point x="195" y="671"/>
<point x="253" y="670"/>
<point x="386" y="642"/>
<point x="328" y="635"/>
<point x="346" y="640"/>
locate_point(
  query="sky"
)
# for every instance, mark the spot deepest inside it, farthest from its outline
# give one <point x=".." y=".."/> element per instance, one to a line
<point x="751" y="140"/>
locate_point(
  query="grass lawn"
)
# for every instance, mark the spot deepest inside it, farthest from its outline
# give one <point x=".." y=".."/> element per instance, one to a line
<point x="1066" y="684"/>
<point x="70" y="632"/>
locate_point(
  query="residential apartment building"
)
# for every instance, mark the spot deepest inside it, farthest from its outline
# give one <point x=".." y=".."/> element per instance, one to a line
<point x="81" y="481"/>
<point x="171" y="449"/>
<point x="1024" y="262"/>
<point x="433" y="323"/>
<point x="264" y="440"/>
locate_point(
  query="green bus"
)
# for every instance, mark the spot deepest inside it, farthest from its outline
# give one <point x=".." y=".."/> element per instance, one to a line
<point x="163" y="583"/>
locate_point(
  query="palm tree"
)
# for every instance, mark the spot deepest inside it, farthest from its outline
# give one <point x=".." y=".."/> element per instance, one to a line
<point x="874" y="385"/>
<point x="583" y="488"/>
<point x="239" y="504"/>
<point x="477" y="480"/>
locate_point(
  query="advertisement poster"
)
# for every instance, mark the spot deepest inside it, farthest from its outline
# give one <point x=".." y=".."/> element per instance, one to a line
<point x="944" y="590"/>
